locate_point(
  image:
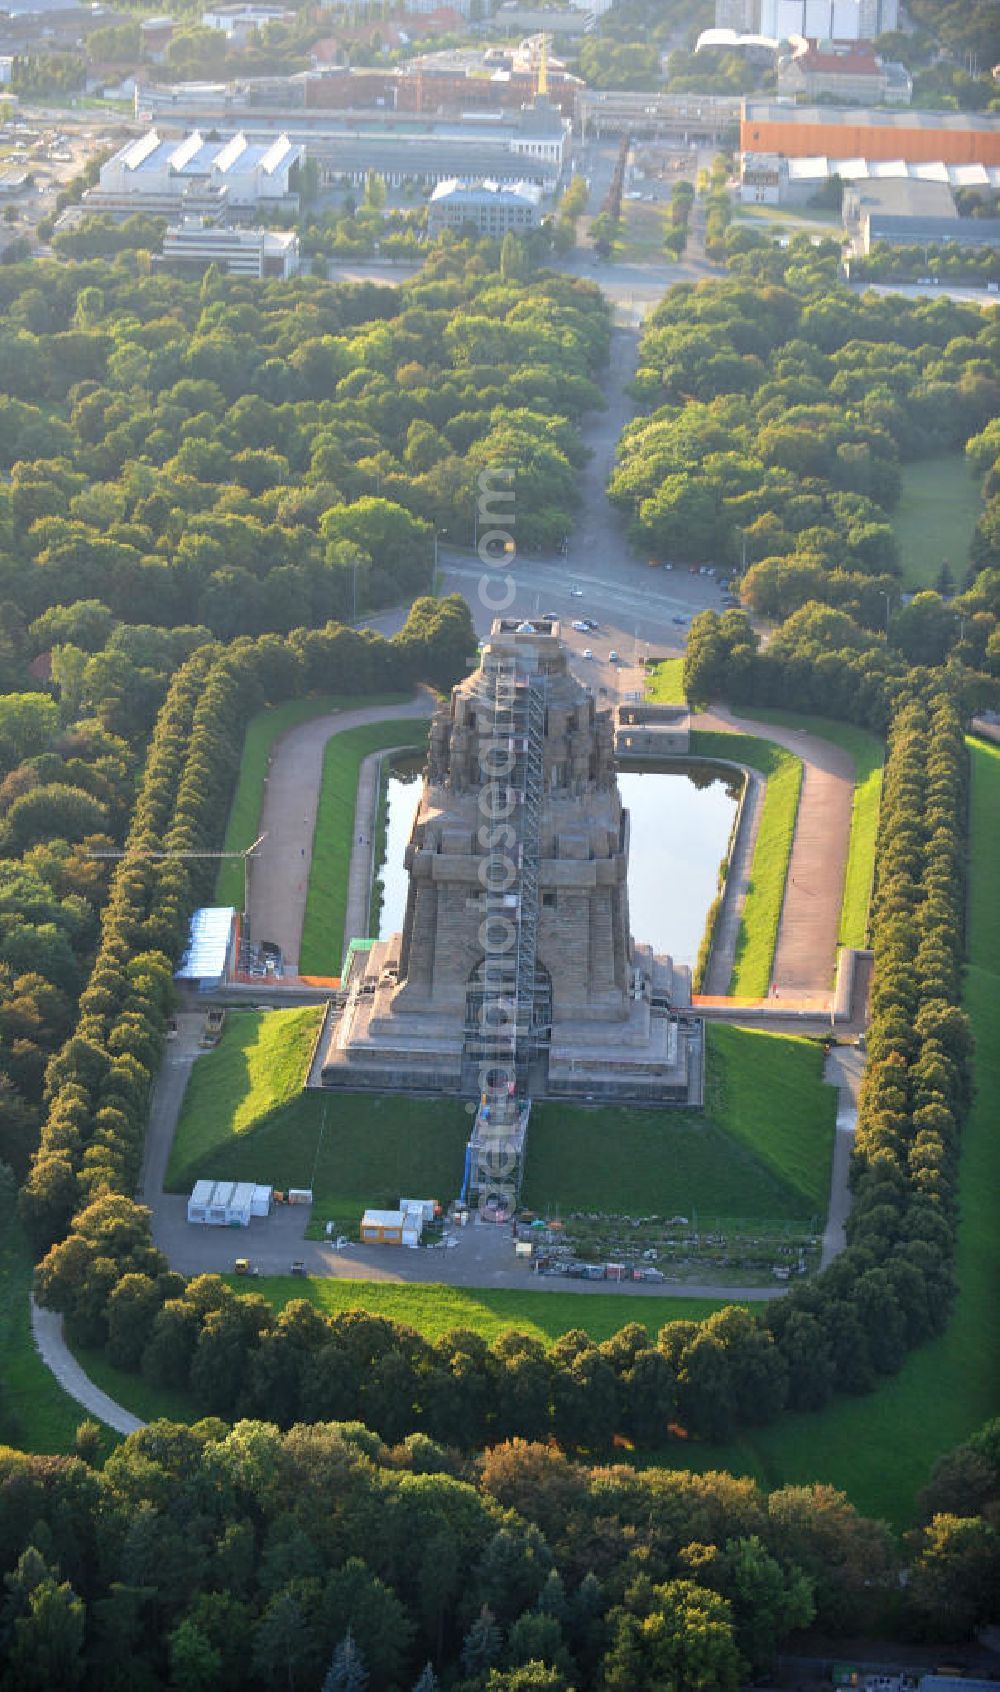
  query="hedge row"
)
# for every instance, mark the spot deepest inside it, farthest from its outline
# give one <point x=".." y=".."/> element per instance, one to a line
<point x="99" y="1083"/>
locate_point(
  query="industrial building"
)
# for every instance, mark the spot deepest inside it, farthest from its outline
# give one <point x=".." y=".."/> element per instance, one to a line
<point x="508" y="146"/>
<point x="193" y="245"/>
<point x="906" y="213"/>
<point x="683" y="118"/>
<point x="845" y="132"/>
<point x="767" y="179"/>
<point x="492" y="208"/>
<point x="164" y="177"/>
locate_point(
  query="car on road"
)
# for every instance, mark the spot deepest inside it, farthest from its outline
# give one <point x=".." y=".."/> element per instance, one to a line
<point x="581" y="627"/>
<point x="668" y="566"/>
<point x="680" y="620"/>
<point x="612" y="656"/>
<point x="550" y="616"/>
<point x="576" y="593"/>
<point x="588" y="623"/>
<point x="586" y="653"/>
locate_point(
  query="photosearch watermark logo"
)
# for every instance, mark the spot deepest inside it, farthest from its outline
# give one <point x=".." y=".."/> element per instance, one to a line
<point x="498" y="841"/>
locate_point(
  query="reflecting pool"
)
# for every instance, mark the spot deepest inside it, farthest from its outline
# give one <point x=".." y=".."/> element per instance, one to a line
<point x="681" y="820"/>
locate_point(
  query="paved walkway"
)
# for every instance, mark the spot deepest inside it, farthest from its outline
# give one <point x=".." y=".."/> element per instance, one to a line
<point x="279" y="875"/>
<point x="844" y="1068"/>
<point x="47" y="1328"/>
<point x="734" y="897"/>
<point x="806" y="949"/>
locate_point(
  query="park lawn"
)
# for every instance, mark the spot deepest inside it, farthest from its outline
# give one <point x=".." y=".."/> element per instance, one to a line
<point x="244" y="813"/>
<point x="880" y="1449"/>
<point x="768" y="1091"/>
<point x="258" y="1066"/>
<point x="751" y="977"/>
<point x="760" y="1151"/>
<point x="323" y="937"/>
<point x="868" y="754"/>
<point x="353" y="1149"/>
<point x="35" y="1413"/>
<point x="665" y="682"/>
<point x="939" y="505"/>
<point x="434" y="1310"/>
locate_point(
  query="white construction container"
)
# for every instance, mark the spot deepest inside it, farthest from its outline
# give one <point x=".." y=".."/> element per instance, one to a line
<point x="300" y="1195"/>
<point x="238" y="1210"/>
<point x="423" y="1207"/>
<point x="217" y="1213"/>
<point x="260" y="1204"/>
<point x="201" y="1194"/>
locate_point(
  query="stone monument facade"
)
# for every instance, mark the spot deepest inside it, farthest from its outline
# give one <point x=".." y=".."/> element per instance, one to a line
<point x="606" y="1017"/>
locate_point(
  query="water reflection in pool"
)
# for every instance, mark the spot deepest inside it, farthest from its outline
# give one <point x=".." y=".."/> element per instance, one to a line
<point x="680" y="828"/>
<point x="402" y="797"/>
<point x="680" y="824"/>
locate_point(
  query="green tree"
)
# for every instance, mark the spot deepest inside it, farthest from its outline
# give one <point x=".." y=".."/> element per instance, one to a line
<point x="677" y="1637"/>
<point x="195" y="1664"/>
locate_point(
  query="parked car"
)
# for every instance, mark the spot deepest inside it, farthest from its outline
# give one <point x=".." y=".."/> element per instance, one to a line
<point x="613" y="656"/>
<point x="581" y="627"/>
<point x="576" y="593"/>
<point x="586" y="653"/>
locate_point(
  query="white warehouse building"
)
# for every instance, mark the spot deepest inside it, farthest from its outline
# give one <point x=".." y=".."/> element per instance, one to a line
<point x="164" y="177"/>
<point x="194" y="244"/>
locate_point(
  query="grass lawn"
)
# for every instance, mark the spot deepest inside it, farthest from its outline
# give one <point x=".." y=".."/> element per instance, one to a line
<point x="761" y="1150"/>
<point x="245" y="1118"/>
<point x="939" y="505"/>
<point x="323" y="936"/>
<point x="880" y="1449"/>
<point x="751" y="977"/>
<point x="244" y="815"/>
<point x="35" y="1413"/>
<point x="433" y="1310"/>
<point x="258" y="1066"/>
<point x="868" y="753"/>
<point x="665" y="682"/>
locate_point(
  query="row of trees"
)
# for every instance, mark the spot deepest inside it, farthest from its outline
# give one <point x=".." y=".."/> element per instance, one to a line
<point x="98" y="1083"/>
<point x="204" y="1558"/>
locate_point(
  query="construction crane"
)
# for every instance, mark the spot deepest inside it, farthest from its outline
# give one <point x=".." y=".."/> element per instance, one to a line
<point x="542" y="85"/>
<point x="153" y="852"/>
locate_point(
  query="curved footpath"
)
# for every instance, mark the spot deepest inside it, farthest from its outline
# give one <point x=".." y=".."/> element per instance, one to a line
<point x="805" y="953"/>
<point x="279" y="875"/>
<point x="47" y="1328"/>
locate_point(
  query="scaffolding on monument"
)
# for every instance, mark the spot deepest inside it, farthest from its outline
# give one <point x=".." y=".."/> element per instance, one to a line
<point x="495" y="1160"/>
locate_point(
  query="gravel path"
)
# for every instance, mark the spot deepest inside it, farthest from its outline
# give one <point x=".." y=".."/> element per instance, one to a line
<point x="806" y="949"/>
<point x="734" y="897"/>
<point x="844" y="1068"/>
<point x="47" y="1328"/>
<point x="279" y="879"/>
